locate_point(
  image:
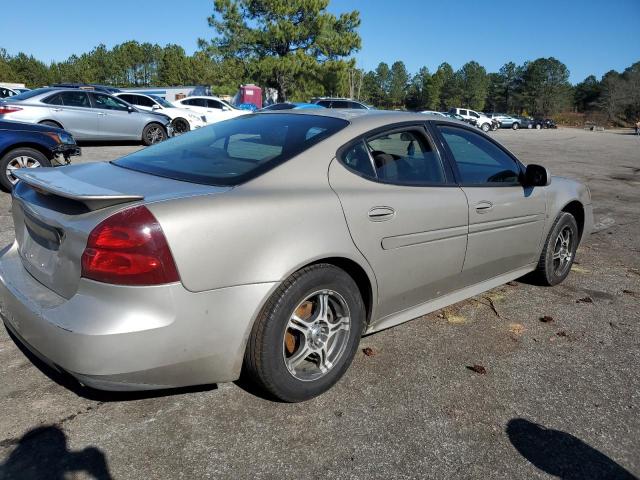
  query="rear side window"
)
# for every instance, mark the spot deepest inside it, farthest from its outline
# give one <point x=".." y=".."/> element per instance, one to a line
<point x="70" y="99"/>
<point x="233" y="151"/>
<point x="479" y="161"/>
<point x="132" y="99"/>
<point x="195" y="102"/>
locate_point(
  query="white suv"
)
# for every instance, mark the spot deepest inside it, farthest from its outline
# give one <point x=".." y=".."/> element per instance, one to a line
<point x="182" y="119"/>
<point x="483" y="122"/>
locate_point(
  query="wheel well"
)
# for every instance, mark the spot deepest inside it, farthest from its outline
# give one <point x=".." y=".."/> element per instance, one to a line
<point x="35" y="146"/>
<point x="576" y="209"/>
<point x="51" y="121"/>
<point x="359" y="276"/>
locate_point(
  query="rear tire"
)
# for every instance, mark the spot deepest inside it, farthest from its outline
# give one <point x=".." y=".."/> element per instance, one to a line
<point x="180" y="125"/>
<point x="538" y="126"/>
<point x="559" y="251"/>
<point x="307" y="334"/>
<point x="153" y="133"/>
<point x="19" y="158"/>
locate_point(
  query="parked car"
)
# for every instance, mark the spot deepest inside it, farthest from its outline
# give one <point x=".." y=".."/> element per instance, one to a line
<point x="525" y="122"/>
<point x="506" y="121"/>
<point x="182" y="120"/>
<point x="544" y="123"/>
<point x="87" y="115"/>
<point x="6" y="92"/>
<point x="25" y="145"/>
<point x="147" y="272"/>
<point x="291" y="106"/>
<point x="482" y="122"/>
<point x="213" y="109"/>
<point x="330" y="102"/>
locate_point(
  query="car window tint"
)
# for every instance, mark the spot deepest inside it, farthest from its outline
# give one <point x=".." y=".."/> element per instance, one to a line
<point x="145" y="101"/>
<point x="75" y="99"/>
<point x="462" y="112"/>
<point x="214" y="104"/>
<point x="356" y="105"/>
<point x="106" y="102"/>
<point x="324" y="103"/>
<point x="128" y="98"/>
<point x="405" y="157"/>
<point x="195" y="102"/>
<point x="479" y="160"/>
<point x="233" y="151"/>
<point x="357" y="158"/>
<point x="53" y="100"/>
<point x="339" y="104"/>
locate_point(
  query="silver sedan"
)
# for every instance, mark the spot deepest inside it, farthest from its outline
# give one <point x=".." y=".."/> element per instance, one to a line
<point x="87" y="115"/>
<point x="271" y="243"/>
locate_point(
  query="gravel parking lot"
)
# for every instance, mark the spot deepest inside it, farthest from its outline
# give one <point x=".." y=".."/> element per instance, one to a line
<point x="553" y="398"/>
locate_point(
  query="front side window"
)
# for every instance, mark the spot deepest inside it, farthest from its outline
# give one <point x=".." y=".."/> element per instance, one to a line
<point x="132" y="99"/>
<point x="106" y="102"/>
<point x="479" y="161"/>
<point x="214" y="104"/>
<point x="233" y="151"/>
<point x="145" y="101"/>
<point x="356" y="106"/>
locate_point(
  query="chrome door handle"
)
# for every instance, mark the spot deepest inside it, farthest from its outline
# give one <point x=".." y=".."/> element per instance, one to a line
<point x="100" y="114"/>
<point x="380" y="214"/>
<point x="57" y="109"/>
<point x="484" y="206"/>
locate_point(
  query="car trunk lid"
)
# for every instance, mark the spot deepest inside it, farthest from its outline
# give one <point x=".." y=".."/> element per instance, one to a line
<point x="55" y="210"/>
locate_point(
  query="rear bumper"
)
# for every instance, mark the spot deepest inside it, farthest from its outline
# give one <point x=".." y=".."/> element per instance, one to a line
<point x="131" y="338"/>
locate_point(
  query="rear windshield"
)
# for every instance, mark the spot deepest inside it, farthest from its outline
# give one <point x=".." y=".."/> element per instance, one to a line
<point x="233" y="151"/>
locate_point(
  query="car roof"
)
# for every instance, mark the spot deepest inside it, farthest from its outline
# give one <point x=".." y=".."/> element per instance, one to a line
<point x="365" y="118"/>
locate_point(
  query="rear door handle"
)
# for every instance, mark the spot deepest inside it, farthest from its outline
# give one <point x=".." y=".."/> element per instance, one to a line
<point x="380" y="214"/>
<point x="100" y="114"/>
<point x="484" y="206"/>
<point x="57" y="109"/>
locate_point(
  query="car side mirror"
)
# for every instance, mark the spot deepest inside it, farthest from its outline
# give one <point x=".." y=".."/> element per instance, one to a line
<point x="536" y="176"/>
<point x="225" y="109"/>
<point x="155" y="107"/>
<point x="130" y="109"/>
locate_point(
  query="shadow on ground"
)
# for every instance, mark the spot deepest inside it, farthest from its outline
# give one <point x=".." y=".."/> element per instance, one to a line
<point x="561" y="454"/>
<point x="43" y="453"/>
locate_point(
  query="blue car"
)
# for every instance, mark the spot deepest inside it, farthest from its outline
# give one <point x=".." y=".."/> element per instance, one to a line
<point x="27" y="145"/>
<point x="291" y="106"/>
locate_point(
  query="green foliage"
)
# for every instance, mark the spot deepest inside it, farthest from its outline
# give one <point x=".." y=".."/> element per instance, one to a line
<point x="289" y="45"/>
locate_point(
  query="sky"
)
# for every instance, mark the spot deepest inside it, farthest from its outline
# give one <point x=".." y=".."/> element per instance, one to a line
<point x="589" y="36"/>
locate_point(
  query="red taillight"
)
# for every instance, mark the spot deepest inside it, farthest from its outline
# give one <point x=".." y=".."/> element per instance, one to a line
<point x="4" y="109"/>
<point x="129" y="248"/>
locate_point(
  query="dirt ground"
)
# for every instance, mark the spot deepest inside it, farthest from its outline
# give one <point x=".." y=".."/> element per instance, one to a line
<point x="557" y="397"/>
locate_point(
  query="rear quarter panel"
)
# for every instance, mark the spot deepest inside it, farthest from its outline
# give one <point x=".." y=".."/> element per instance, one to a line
<point x="261" y="231"/>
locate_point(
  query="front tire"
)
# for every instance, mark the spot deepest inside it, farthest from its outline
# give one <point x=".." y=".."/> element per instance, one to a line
<point x="485" y="127"/>
<point x="515" y="126"/>
<point x="559" y="250"/>
<point x="19" y="158"/>
<point x="538" y="126"/>
<point x="153" y="133"/>
<point x="307" y="334"/>
<point x="180" y="126"/>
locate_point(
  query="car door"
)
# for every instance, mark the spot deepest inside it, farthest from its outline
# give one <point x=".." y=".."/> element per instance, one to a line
<point x="506" y="220"/>
<point x="72" y="110"/>
<point x="115" y="121"/>
<point x="404" y="213"/>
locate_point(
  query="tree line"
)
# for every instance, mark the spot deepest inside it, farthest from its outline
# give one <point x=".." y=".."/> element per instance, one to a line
<point x="301" y="50"/>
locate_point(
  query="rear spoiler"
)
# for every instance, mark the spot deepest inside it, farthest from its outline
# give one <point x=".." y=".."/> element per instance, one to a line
<point x="50" y="181"/>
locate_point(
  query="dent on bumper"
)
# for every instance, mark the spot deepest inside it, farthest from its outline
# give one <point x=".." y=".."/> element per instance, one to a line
<point x="130" y="338"/>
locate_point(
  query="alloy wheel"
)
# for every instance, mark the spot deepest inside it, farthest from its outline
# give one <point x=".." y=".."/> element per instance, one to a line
<point x="563" y="251"/>
<point x="155" y="135"/>
<point x="22" y="161"/>
<point x="316" y="335"/>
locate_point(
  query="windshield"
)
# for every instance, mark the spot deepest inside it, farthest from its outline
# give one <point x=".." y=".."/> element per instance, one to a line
<point x="30" y="93"/>
<point x="162" y="101"/>
<point x="233" y="151"/>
